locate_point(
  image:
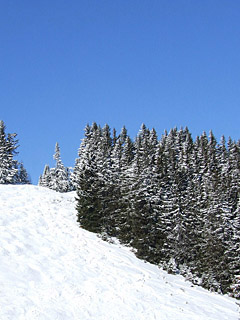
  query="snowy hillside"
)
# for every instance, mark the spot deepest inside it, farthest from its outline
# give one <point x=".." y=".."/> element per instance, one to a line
<point x="51" y="269"/>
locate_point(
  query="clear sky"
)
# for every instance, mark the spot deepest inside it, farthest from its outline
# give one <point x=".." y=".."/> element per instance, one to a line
<point x="165" y="63"/>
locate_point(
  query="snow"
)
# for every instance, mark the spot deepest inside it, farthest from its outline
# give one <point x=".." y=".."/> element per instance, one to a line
<point x="52" y="269"/>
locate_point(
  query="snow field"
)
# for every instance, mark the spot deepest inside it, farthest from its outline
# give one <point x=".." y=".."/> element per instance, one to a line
<point x="50" y="269"/>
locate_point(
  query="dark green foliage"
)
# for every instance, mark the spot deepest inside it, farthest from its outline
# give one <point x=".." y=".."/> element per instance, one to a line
<point x="175" y="201"/>
<point x="89" y="204"/>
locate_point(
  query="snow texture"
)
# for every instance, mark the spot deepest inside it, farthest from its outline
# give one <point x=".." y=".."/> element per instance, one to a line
<point x="50" y="269"/>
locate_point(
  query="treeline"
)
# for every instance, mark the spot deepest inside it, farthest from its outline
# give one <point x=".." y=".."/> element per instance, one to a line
<point x="11" y="171"/>
<point x="174" y="200"/>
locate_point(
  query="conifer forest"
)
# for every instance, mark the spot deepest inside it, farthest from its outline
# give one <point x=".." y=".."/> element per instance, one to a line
<point x="174" y="200"/>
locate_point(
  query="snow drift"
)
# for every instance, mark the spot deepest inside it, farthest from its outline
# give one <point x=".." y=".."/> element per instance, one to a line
<point x="52" y="269"/>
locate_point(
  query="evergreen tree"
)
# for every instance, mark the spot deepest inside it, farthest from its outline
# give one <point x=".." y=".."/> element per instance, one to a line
<point x="89" y="182"/>
<point x="45" y="177"/>
<point x="57" y="178"/>
<point x="23" y="177"/>
<point x="11" y="172"/>
<point x="124" y="202"/>
<point x="143" y="194"/>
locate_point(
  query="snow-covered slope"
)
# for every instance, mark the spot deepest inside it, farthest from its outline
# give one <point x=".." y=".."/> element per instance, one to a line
<point x="51" y="269"/>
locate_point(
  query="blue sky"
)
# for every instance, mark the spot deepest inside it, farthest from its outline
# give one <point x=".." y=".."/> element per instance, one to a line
<point x="165" y="63"/>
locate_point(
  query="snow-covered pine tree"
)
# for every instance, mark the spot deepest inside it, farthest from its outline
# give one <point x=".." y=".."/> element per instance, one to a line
<point x="231" y="215"/>
<point x="23" y="177"/>
<point x="124" y="203"/>
<point x="9" y="167"/>
<point x="105" y="180"/>
<point x="45" y="177"/>
<point x="57" y="178"/>
<point x="88" y="182"/>
<point x="78" y="162"/>
<point x="184" y="232"/>
<point x="111" y="191"/>
<point x="171" y="198"/>
<point x="233" y="253"/>
<point x="143" y="193"/>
